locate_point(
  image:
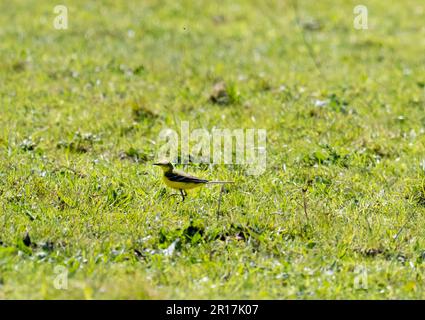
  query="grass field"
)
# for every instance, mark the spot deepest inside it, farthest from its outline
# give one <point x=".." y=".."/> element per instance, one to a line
<point x="338" y="213"/>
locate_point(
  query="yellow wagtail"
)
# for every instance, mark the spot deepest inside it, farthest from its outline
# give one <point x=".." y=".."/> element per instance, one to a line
<point x="182" y="181"/>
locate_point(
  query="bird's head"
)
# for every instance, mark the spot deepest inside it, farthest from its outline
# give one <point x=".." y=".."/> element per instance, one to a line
<point x="165" y="165"/>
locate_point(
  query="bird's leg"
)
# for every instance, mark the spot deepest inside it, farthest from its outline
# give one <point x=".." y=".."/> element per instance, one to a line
<point x="182" y="192"/>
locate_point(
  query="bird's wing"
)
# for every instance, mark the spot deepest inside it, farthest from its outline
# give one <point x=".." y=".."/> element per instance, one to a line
<point x="178" y="176"/>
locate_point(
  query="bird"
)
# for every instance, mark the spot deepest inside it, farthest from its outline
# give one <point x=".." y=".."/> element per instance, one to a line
<point x="182" y="181"/>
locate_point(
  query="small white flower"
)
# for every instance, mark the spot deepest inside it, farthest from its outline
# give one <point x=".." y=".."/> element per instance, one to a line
<point x="320" y="103"/>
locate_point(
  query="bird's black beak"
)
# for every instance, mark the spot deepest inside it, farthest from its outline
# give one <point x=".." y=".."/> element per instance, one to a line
<point x="156" y="164"/>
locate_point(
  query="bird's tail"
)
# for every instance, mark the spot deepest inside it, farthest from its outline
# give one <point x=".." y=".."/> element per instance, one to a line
<point x="220" y="182"/>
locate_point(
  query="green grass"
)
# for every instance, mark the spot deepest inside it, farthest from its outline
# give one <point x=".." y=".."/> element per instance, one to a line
<point x="81" y="110"/>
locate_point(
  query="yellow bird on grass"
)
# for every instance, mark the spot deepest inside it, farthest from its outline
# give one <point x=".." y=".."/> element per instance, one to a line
<point x="182" y="181"/>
